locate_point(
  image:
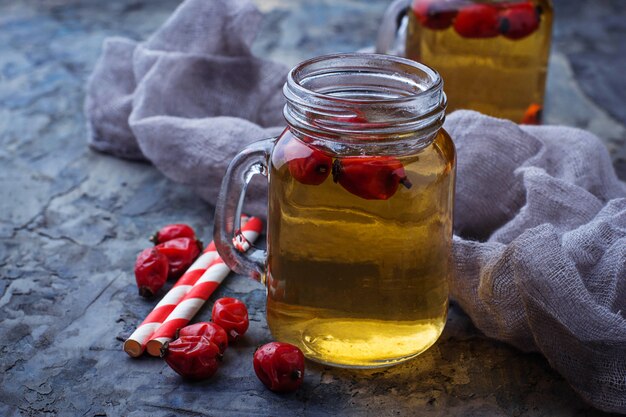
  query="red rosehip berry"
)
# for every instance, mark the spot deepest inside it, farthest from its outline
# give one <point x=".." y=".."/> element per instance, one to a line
<point x="519" y="20"/>
<point x="434" y="14"/>
<point x="477" y="21"/>
<point x="172" y="231"/>
<point x="370" y="177"/>
<point x="192" y="357"/>
<point x="279" y="366"/>
<point x="151" y="270"/>
<point x="232" y="315"/>
<point x="212" y="331"/>
<point x="307" y="164"/>
<point x="180" y="253"/>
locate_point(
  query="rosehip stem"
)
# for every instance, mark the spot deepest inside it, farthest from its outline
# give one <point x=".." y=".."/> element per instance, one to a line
<point x="406" y="182"/>
<point x="145" y="292"/>
<point x="336" y="170"/>
<point x="163" y="350"/>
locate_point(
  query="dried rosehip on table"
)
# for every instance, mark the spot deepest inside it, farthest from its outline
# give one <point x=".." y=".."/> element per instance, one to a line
<point x="212" y="331"/>
<point x="151" y="270"/>
<point x="307" y="164"/>
<point x="192" y="357"/>
<point x="180" y="253"/>
<point x="232" y="315"/>
<point x="370" y="177"/>
<point x="172" y="231"/>
<point x="519" y="20"/>
<point x="279" y="366"/>
<point x="435" y="14"/>
<point x="477" y="21"/>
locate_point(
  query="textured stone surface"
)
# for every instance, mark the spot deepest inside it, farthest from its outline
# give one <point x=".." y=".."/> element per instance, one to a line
<point x="71" y="223"/>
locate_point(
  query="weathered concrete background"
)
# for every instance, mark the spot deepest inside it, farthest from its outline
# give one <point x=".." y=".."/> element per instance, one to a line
<point x="72" y="222"/>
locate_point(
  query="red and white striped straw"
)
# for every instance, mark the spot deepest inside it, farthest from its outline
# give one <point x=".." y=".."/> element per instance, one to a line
<point x="136" y="343"/>
<point x="201" y="291"/>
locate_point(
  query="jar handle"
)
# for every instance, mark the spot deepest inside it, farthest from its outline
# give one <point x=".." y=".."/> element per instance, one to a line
<point x="252" y="160"/>
<point x="388" y="30"/>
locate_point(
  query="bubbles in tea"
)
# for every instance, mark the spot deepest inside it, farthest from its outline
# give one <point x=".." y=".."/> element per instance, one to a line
<point x="491" y="54"/>
<point x="359" y="251"/>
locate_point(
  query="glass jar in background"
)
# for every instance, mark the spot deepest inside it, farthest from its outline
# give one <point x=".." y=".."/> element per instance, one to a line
<point x="361" y="192"/>
<point x="492" y="54"/>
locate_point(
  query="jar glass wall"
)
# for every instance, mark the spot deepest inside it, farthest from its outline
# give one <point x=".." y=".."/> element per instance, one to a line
<point x="492" y="54"/>
<point x="360" y="212"/>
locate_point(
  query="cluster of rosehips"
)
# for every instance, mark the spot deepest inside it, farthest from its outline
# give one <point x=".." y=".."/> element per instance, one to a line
<point x="511" y="19"/>
<point x="369" y="177"/>
<point x="176" y="247"/>
<point x="198" y="349"/>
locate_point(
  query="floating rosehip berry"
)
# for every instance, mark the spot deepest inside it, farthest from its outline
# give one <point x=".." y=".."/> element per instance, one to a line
<point x="532" y="115"/>
<point x="477" y="21"/>
<point x="151" y="270"/>
<point x="180" y="253"/>
<point x="172" y="231"/>
<point x="279" y="366"/>
<point x="308" y="165"/>
<point x="370" y="177"/>
<point x="212" y="331"/>
<point x="232" y="315"/>
<point x="434" y="14"/>
<point x="192" y="357"/>
<point x="519" y="20"/>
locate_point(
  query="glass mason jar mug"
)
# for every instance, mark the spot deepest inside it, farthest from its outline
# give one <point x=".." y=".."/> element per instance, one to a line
<point x="361" y="188"/>
<point x="492" y="54"/>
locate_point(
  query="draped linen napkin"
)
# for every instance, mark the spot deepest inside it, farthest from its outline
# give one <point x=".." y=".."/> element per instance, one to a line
<point x="540" y="217"/>
<point x="189" y="97"/>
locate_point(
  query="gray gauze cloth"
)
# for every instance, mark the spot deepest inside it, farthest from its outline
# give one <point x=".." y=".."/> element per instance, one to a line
<point x="188" y="98"/>
<point x="540" y="216"/>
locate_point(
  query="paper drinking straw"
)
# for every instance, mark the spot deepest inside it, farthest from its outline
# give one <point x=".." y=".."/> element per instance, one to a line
<point x="136" y="343"/>
<point x="201" y="291"/>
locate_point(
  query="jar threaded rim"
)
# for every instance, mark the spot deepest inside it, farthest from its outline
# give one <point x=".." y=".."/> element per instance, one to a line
<point x="356" y="96"/>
